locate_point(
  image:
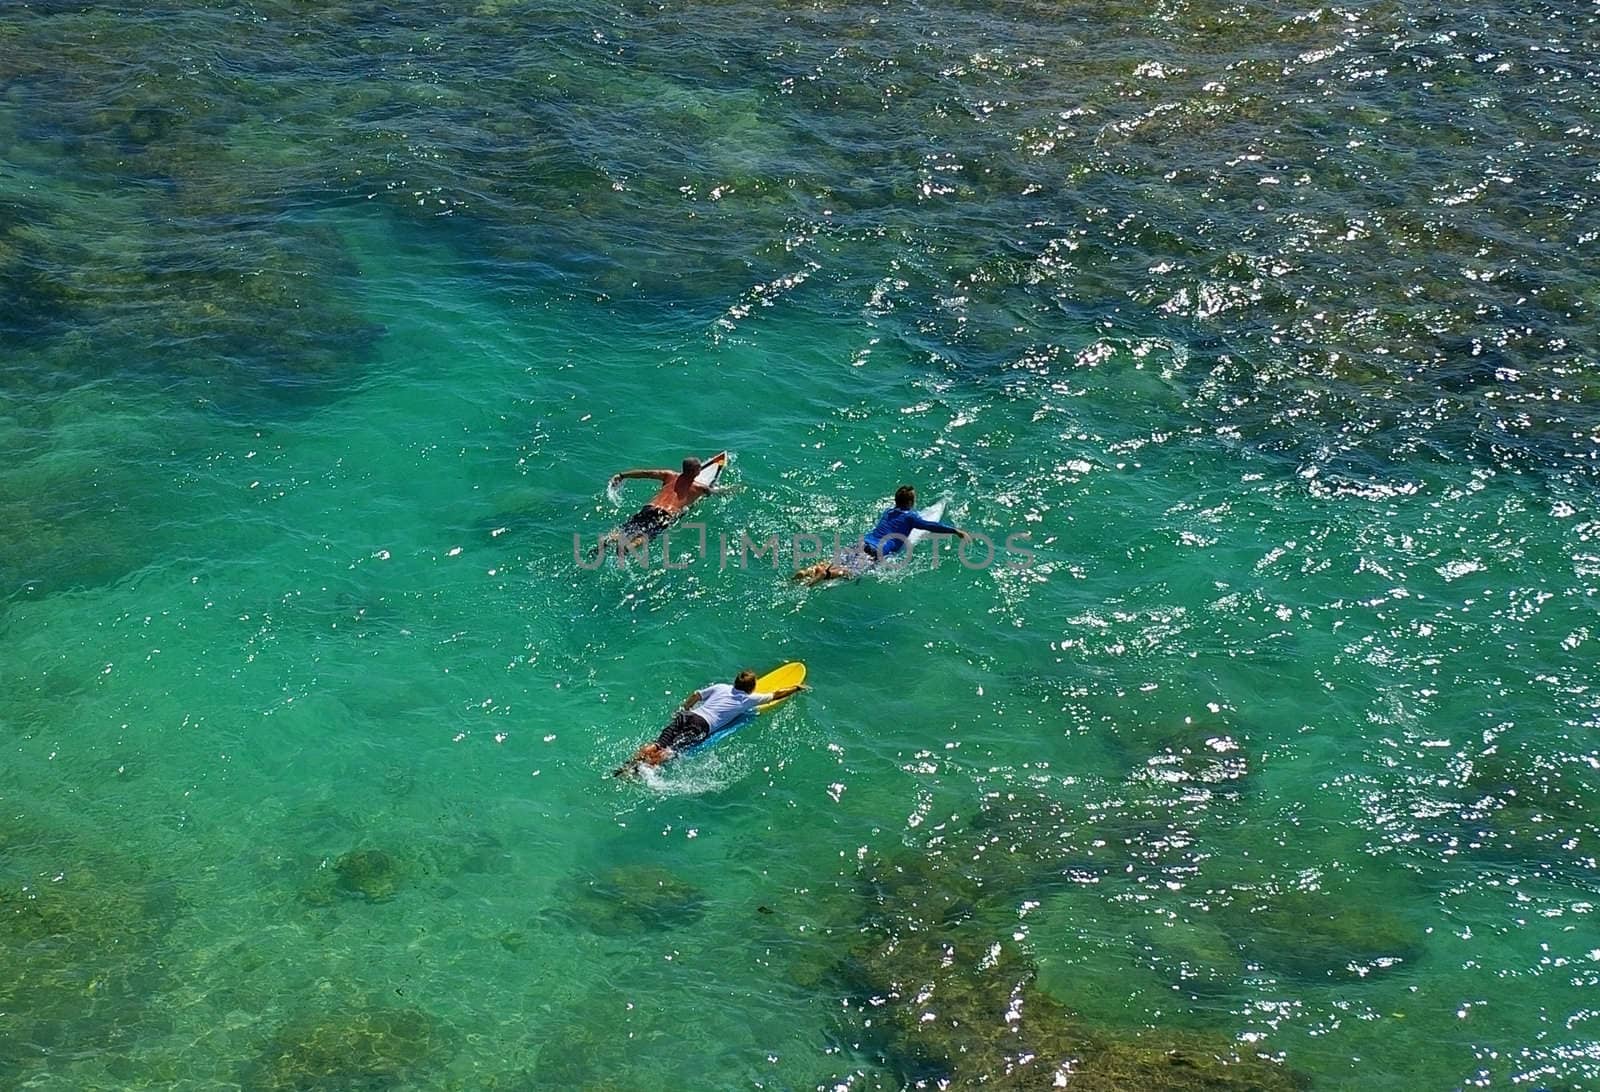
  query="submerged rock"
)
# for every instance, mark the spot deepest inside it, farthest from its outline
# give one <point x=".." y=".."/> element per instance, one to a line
<point x="1175" y="1063"/>
<point x="948" y="997"/>
<point x="955" y="1012"/>
<point x="372" y="874"/>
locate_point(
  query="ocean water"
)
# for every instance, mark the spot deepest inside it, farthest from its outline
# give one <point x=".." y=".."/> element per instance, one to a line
<point x="1274" y="328"/>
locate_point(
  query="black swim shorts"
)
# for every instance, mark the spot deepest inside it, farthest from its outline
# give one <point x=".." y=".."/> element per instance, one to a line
<point x="647" y="522"/>
<point x="683" y="731"/>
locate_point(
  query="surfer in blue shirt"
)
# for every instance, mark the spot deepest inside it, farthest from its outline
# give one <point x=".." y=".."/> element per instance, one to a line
<point x="886" y="539"/>
<point x="702" y="715"/>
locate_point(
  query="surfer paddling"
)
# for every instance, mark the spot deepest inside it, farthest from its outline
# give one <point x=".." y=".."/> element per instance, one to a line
<point x="679" y="489"/>
<point x="888" y="538"/>
<point x="702" y="715"/>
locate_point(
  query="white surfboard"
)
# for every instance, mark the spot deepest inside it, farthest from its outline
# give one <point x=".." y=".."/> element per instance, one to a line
<point x="934" y="513"/>
<point x="711" y="470"/>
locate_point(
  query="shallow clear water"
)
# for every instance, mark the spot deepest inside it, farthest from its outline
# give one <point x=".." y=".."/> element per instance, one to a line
<point x="325" y="325"/>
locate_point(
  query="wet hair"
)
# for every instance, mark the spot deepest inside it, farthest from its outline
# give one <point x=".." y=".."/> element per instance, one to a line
<point x="691" y="466"/>
<point x="905" y="497"/>
<point x="745" y="682"/>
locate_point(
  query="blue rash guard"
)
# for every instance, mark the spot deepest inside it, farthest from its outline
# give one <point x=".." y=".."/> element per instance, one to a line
<point x="894" y="526"/>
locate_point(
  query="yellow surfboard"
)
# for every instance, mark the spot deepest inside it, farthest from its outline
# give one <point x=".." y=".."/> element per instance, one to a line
<point x="790" y="674"/>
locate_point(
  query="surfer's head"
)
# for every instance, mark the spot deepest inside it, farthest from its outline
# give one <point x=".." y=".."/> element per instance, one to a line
<point x="691" y="468"/>
<point x="745" y="682"/>
<point x="905" y="497"/>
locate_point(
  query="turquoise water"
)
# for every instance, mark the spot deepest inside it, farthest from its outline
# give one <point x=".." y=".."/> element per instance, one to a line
<point x="325" y="325"/>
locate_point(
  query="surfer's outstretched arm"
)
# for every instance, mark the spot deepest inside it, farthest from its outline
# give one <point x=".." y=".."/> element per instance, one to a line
<point x="935" y="528"/>
<point x="657" y="475"/>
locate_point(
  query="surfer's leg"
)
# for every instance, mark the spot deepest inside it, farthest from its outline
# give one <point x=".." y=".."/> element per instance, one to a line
<point x="846" y="565"/>
<point x="678" y="733"/>
<point x="606" y="544"/>
<point x="651" y="754"/>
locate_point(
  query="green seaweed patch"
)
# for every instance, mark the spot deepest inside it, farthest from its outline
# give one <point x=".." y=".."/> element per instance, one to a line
<point x="367" y="874"/>
<point x="1217" y="761"/>
<point x="264" y="304"/>
<point x="936" y="889"/>
<point x="718" y="148"/>
<point x="1196" y="957"/>
<point x="1541" y="815"/>
<point x="1315" y="936"/>
<point x="53" y="544"/>
<point x="80" y="950"/>
<point x="363" y="1049"/>
<point x="578" y="1062"/>
<point x="636" y="899"/>
<point x="36" y="301"/>
<point x="575" y="1058"/>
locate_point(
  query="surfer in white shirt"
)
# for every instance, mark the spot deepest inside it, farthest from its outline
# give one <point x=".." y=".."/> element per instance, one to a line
<point x="703" y="714"/>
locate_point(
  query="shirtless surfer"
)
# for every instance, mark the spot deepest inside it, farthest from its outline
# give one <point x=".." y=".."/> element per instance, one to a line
<point x="678" y="491"/>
